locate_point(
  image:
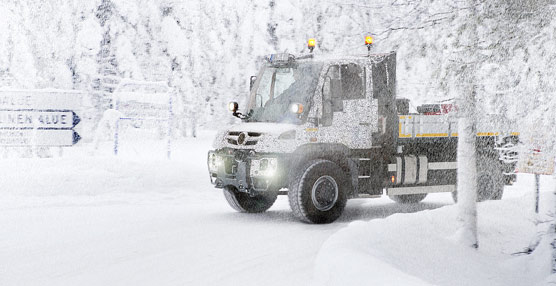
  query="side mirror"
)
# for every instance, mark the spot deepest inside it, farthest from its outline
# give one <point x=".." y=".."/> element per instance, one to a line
<point x="233" y="106"/>
<point x="252" y="80"/>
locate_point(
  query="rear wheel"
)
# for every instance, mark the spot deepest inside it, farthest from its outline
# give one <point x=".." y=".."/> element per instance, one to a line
<point x="244" y="202"/>
<point x="490" y="180"/>
<point x="408" y="199"/>
<point x="317" y="192"/>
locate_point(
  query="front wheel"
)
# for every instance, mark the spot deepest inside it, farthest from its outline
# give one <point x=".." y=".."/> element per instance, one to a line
<point x="245" y="203"/>
<point x="317" y="192"/>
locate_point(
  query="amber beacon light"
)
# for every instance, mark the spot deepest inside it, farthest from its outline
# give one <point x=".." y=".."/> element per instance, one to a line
<point x="368" y="42"/>
<point x="311" y="44"/>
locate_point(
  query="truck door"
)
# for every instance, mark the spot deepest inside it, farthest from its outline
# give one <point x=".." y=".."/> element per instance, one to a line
<point x="383" y="90"/>
<point x="347" y="111"/>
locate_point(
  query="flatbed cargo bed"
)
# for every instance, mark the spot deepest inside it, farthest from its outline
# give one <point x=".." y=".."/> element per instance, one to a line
<point x="445" y="126"/>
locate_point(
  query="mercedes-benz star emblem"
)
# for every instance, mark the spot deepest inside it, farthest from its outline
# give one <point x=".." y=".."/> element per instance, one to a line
<point x="241" y="138"/>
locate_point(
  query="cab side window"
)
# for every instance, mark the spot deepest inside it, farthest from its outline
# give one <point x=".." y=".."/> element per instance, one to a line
<point x="347" y="82"/>
<point x="380" y="80"/>
<point x="335" y="88"/>
<point x="353" y="85"/>
<point x="342" y="82"/>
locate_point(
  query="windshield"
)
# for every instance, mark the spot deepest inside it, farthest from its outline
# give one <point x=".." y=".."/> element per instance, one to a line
<point x="277" y="88"/>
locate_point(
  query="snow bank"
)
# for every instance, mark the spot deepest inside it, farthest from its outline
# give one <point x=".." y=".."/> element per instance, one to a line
<point x="420" y="249"/>
<point x="86" y="171"/>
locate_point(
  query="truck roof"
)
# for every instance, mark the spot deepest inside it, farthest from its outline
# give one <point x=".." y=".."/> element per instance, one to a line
<point x="284" y="58"/>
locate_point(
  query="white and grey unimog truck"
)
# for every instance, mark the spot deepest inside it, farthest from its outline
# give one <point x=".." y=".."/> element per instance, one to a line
<point x="325" y="129"/>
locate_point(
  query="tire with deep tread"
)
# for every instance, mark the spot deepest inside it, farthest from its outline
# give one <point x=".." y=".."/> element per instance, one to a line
<point x="408" y="199"/>
<point x="245" y="203"/>
<point x="301" y="185"/>
<point x="490" y="180"/>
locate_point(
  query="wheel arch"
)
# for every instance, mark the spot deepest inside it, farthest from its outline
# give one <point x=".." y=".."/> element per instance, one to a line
<point x="337" y="153"/>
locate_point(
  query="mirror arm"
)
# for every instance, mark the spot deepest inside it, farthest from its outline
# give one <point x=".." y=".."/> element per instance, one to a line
<point x="314" y="121"/>
<point x="242" y="116"/>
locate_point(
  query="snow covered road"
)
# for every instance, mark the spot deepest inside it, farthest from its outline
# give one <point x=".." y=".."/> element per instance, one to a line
<point x="130" y="221"/>
<point x="162" y="240"/>
<point x="83" y="220"/>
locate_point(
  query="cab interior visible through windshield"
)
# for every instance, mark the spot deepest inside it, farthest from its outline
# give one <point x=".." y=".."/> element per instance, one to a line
<point x="277" y="88"/>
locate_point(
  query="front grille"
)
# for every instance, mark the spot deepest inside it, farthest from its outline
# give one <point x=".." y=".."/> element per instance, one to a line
<point x="249" y="138"/>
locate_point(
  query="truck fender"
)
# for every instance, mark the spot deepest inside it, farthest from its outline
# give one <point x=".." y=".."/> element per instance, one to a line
<point x="337" y="153"/>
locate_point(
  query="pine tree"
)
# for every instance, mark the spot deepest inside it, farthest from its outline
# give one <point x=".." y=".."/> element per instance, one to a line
<point x="108" y="77"/>
<point x="21" y="70"/>
<point x="85" y="67"/>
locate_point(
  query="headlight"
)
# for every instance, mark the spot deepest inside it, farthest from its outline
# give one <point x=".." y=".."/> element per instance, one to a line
<point x="265" y="167"/>
<point x="214" y="162"/>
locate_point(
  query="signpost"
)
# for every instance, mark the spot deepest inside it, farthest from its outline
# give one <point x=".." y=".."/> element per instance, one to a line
<point x="536" y="161"/>
<point x="539" y="161"/>
<point x="38" y="117"/>
<point x="143" y="101"/>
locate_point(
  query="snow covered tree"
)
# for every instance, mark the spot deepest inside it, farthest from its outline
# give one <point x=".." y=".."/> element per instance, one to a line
<point x="538" y="83"/>
<point x="87" y="46"/>
<point x="105" y="84"/>
<point x="467" y="58"/>
<point x="18" y="65"/>
<point x="490" y="29"/>
<point x="52" y="48"/>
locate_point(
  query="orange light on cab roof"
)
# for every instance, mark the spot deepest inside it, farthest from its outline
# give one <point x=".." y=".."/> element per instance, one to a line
<point x="393" y="179"/>
<point x="368" y="40"/>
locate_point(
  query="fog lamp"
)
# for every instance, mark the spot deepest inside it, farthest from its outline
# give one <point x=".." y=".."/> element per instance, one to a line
<point x="214" y="162"/>
<point x="265" y="167"/>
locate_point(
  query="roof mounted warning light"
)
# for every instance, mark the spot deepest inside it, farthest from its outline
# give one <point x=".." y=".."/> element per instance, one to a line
<point x="311" y="44"/>
<point x="368" y="43"/>
<point x="281" y="59"/>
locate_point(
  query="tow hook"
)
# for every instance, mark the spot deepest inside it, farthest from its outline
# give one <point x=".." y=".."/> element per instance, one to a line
<point x="251" y="192"/>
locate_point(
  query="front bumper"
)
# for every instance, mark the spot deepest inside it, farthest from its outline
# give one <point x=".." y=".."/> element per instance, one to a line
<point x="234" y="169"/>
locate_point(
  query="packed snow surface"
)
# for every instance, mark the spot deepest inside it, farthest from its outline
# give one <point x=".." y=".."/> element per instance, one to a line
<point x="89" y="218"/>
<point x="421" y="248"/>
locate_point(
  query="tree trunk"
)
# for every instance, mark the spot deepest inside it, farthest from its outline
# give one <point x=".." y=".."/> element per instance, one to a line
<point x="467" y="172"/>
<point x="552" y="229"/>
<point x="468" y="58"/>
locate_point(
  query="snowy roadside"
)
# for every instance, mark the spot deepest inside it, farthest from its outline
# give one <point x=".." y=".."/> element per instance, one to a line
<point x="139" y="219"/>
<point x="419" y="248"/>
<point x="141" y="170"/>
